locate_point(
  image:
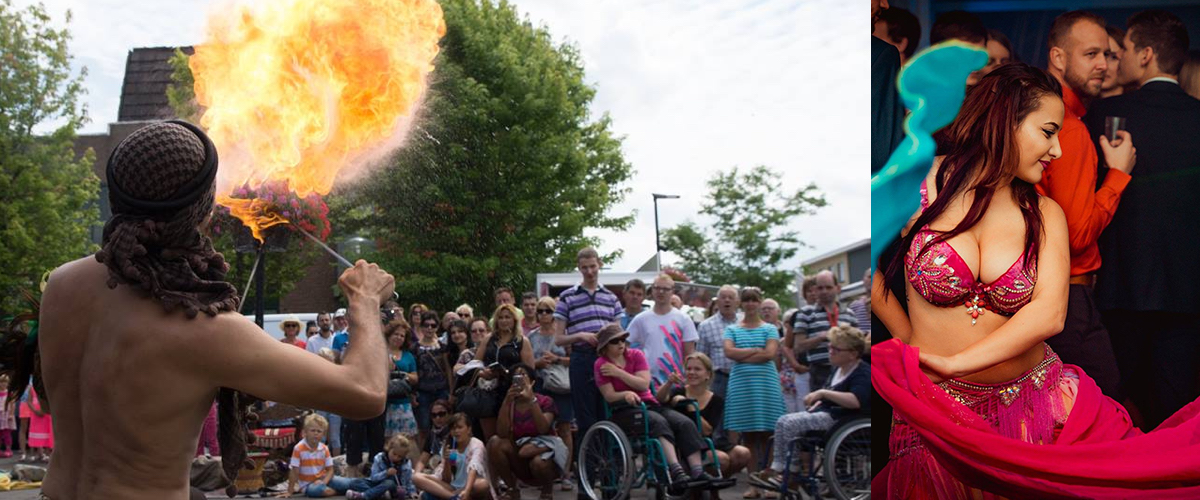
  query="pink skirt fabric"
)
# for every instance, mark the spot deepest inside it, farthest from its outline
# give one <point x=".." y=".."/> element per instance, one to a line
<point x="41" y="432"/>
<point x="1049" y="433"/>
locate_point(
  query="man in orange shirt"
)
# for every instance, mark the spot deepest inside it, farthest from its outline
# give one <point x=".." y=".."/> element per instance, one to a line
<point x="1078" y="45"/>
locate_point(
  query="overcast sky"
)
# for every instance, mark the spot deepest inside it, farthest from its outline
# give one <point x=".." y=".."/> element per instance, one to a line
<point x="695" y="87"/>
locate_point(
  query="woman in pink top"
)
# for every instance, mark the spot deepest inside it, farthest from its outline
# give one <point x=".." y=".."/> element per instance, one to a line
<point x="623" y="376"/>
<point x="525" y="446"/>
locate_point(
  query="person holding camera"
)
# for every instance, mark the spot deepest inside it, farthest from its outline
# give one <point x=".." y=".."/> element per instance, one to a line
<point x="525" y="446"/>
<point x="400" y="418"/>
<point x="504" y="348"/>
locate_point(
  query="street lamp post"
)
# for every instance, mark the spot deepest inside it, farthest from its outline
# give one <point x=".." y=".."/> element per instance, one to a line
<point x="657" y="241"/>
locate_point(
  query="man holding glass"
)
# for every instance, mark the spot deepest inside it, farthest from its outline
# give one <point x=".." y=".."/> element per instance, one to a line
<point x="1149" y="286"/>
<point x="1078" y="46"/>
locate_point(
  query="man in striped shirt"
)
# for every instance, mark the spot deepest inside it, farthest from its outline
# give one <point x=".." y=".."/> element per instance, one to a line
<point x="581" y="312"/>
<point x="813" y="323"/>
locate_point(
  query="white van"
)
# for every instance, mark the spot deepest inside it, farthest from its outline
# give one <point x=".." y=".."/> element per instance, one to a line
<point x="271" y="323"/>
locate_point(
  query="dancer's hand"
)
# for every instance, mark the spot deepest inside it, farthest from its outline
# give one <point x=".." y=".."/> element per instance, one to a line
<point x="1120" y="153"/>
<point x="938" y="368"/>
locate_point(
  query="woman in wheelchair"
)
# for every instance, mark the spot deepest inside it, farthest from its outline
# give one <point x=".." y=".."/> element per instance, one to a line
<point x="694" y="386"/>
<point x="847" y="393"/>
<point x="623" y="376"/>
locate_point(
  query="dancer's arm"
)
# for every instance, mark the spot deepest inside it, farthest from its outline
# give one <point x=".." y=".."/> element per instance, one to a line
<point x="1040" y="319"/>
<point x="887" y="308"/>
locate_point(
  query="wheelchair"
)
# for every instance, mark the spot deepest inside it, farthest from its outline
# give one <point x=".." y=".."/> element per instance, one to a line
<point x="842" y="455"/>
<point x="609" y="462"/>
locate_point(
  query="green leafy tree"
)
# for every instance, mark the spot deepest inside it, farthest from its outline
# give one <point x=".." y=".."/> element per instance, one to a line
<point x="749" y="240"/>
<point x="284" y="269"/>
<point x="504" y="173"/>
<point x="47" y="195"/>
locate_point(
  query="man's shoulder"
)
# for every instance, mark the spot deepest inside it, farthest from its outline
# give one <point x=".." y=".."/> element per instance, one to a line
<point x="1099" y="109"/>
<point x="883" y="53"/>
<point x="570" y="291"/>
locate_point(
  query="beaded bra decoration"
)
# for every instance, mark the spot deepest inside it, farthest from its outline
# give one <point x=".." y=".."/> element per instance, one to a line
<point x="943" y="278"/>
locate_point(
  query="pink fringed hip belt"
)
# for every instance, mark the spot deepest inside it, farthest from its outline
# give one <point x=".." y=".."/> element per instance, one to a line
<point x="1031" y="407"/>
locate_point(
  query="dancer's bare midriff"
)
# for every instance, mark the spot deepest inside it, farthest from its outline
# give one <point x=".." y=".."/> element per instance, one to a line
<point x="947" y="331"/>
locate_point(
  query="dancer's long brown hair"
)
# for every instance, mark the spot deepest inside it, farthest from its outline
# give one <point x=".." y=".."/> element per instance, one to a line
<point x="981" y="156"/>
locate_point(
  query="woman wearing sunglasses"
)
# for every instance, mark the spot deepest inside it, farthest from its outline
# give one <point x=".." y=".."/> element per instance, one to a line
<point x="550" y="357"/>
<point x="434" y="372"/>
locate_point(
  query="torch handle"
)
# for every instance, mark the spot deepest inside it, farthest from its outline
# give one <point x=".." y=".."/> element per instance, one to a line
<point x="335" y="255"/>
<point x="326" y="247"/>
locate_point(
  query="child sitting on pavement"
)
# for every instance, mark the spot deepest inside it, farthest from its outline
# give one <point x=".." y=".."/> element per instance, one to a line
<point x="312" y="465"/>
<point x="391" y="471"/>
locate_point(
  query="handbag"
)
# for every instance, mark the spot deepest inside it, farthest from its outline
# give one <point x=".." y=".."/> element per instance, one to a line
<point x="556" y="378"/>
<point x="476" y="401"/>
<point x="398" y="386"/>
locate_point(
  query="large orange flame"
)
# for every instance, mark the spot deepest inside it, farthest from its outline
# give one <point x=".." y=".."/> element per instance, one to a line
<point x="310" y="91"/>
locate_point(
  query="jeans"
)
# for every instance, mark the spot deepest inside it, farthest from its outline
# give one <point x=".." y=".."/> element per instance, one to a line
<point x="334" y="436"/>
<point x="585" y="396"/>
<point x="376" y="491"/>
<point x="338" y="484"/>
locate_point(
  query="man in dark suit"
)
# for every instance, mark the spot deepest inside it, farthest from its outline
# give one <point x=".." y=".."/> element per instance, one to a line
<point x="886" y="109"/>
<point x="887" y="114"/>
<point x="1149" y="283"/>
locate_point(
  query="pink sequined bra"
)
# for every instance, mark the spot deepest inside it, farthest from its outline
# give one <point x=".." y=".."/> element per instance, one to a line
<point x="943" y="278"/>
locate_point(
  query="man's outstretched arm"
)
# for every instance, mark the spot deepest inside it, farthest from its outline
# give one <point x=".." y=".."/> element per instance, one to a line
<point x="239" y="355"/>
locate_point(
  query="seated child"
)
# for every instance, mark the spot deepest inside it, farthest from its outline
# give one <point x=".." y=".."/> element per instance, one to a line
<point x="390" y="471"/>
<point x="312" y="465"/>
<point x="462" y="473"/>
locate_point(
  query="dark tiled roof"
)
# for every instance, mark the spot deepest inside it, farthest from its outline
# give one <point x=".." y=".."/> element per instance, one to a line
<point x="147" y="74"/>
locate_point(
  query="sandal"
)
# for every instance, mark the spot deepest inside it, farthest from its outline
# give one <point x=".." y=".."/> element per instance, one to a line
<point x="568" y="483"/>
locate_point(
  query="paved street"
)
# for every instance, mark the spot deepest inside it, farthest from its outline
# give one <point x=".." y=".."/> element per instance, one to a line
<point x="733" y="493"/>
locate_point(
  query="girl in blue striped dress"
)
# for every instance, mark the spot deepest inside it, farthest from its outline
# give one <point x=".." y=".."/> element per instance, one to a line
<point x="754" y="398"/>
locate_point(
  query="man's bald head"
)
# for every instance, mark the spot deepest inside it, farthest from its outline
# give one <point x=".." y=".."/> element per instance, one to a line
<point x="827" y="288"/>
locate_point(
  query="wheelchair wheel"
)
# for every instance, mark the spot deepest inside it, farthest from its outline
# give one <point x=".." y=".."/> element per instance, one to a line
<point x="606" y="462"/>
<point x="848" y="460"/>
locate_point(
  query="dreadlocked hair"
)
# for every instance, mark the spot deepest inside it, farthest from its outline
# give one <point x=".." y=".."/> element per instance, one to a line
<point x="164" y="253"/>
<point x="161" y="189"/>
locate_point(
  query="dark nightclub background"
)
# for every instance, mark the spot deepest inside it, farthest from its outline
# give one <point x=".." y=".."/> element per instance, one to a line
<point x="1027" y="22"/>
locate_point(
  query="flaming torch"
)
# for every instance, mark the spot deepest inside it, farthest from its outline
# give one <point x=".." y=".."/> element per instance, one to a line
<point x="301" y="94"/>
<point x="304" y="93"/>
